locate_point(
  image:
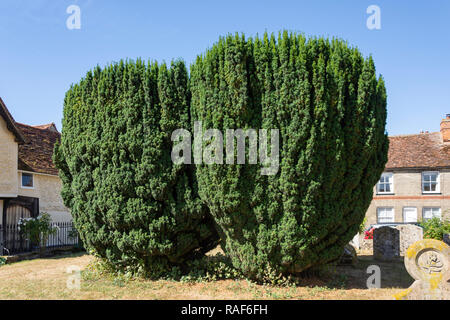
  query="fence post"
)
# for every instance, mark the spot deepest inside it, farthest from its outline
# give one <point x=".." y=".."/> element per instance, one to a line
<point x="1" y="240"/>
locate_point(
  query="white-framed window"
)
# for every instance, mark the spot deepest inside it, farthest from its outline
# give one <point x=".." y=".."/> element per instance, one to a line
<point x="431" y="212"/>
<point x="385" y="215"/>
<point x="386" y="183"/>
<point x="430" y="182"/>
<point x="27" y="180"/>
<point x="409" y="214"/>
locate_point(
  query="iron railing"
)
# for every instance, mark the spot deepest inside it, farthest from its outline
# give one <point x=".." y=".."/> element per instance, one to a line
<point x="12" y="241"/>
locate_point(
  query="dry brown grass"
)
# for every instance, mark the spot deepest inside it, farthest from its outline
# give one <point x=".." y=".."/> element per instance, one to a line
<point x="46" y="279"/>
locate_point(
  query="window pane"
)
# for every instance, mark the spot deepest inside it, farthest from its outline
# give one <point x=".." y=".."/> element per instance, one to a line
<point x="433" y="186"/>
<point x="430" y="181"/>
<point x="385" y="215"/>
<point x="385" y="183"/>
<point x="27" y="180"/>
<point x="429" y="213"/>
<point x="436" y="213"/>
<point x="426" y="213"/>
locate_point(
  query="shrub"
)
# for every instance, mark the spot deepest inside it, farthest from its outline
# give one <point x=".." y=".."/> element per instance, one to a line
<point x="435" y="228"/>
<point x="38" y="229"/>
<point x="131" y="205"/>
<point x="330" y="109"/>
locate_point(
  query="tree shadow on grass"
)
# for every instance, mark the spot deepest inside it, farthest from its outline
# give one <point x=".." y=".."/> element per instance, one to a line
<point x="51" y="255"/>
<point x="392" y="275"/>
<point x="68" y="254"/>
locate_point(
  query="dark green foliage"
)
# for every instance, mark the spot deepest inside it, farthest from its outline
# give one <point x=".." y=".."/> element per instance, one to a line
<point x="330" y="108"/>
<point x="130" y="203"/>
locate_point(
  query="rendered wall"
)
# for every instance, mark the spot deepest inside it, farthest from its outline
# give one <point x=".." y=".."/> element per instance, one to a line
<point x="48" y="189"/>
<point x="8" y="162"/>
<point x="408" y="193"/>
<point x="1" y="211"/>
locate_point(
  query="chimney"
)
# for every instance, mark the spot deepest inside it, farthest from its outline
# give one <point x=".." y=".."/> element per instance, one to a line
<point x="445" y="128"/>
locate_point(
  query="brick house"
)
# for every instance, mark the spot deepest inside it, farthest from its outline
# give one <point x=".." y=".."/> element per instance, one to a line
<point x="416" y="183"/>
<point x="29" y="182"/>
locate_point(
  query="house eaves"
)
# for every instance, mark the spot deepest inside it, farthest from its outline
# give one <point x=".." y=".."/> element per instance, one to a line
<point x="11" y="124"/>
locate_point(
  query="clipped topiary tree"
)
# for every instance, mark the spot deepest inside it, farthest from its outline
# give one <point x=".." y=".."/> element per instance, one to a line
<point x="130" y="203"/>
<point x="330" y="110"/>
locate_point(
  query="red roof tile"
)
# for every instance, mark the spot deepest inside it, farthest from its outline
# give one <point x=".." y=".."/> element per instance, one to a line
<point x="424" y="150"/>
<point x="36" y="155"/>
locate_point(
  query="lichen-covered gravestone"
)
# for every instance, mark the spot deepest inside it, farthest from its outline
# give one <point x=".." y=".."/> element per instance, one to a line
<point x="428" y="262"/>
<point x="409" y="234"/>
<point x="386" y="243"/>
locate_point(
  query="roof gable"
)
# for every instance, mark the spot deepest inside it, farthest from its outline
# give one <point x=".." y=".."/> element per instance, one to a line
<point x="37" y="154"/>
<point x="10" y="123"/>
<point x="36" y="143"/>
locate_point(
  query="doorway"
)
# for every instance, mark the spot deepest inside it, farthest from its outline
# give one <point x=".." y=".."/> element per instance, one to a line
<point x="13" y="211"/>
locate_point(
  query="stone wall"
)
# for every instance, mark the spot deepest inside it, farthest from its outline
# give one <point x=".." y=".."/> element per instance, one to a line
<point x="8" y="162"/>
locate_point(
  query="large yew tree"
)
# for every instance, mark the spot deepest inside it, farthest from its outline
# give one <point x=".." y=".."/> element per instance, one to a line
<point x="330" y="109"/>
<point x="130" y="203"/>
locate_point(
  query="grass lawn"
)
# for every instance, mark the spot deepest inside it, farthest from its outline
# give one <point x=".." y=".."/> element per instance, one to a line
<point x="47" y="278"/>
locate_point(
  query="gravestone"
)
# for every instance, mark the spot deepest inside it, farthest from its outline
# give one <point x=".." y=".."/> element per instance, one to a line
<point x="447" y="238"/>
<point x="428" y="262"/>
<point x="386" y="243"/>
<point x="367" y="245"/>
<point x="349" y="256"/>
<point x="355" y="241"/>
<point x="409" y="234"/>
<point x="391" y="242"/>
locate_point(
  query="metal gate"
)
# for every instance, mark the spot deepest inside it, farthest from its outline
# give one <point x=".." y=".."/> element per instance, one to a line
<point x="13" y="241"/>
<point x="14" y="209"/>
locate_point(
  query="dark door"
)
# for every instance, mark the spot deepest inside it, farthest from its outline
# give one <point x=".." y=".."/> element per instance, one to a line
<point x="14" y="210"/>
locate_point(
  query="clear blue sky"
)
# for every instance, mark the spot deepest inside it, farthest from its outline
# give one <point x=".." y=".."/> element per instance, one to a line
<point x="40" y="57"/>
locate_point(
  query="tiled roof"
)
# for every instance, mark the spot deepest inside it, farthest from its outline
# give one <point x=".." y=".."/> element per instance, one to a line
<point x="424" y="150"/>
<point x="36" y="155"/>
<point x="10" y="123"/>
